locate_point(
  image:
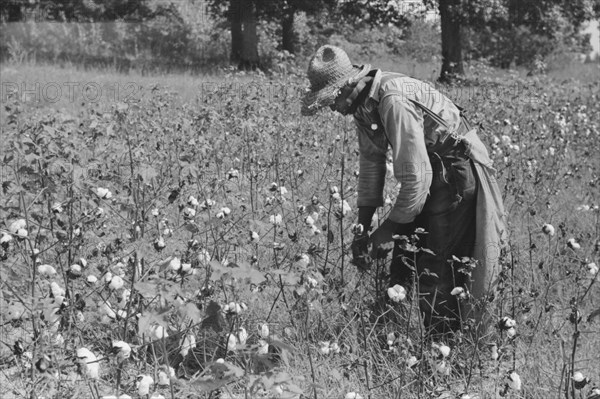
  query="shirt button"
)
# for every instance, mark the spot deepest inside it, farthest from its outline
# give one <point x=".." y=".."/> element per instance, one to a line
<point x="374" y="126"/>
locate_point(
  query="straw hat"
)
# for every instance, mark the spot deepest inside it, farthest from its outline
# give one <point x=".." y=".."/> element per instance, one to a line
<point x="329" y="70"/>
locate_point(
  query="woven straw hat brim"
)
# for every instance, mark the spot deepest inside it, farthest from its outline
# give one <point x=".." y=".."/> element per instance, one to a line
<point x="313" y="101"/>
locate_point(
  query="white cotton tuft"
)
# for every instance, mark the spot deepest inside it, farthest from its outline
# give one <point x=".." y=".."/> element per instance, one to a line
<point x="88" y="363"/>
<point x="144" y="384"/>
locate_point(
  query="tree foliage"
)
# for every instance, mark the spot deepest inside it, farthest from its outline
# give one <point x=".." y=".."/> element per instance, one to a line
<point x="525" y="31"/>
<point x="83" y="11"/>
<point x="504" y="32"/>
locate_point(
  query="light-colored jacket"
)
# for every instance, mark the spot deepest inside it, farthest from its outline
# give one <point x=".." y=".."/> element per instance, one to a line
<point x="395" y="121"/>
<point x="398" y="122"/>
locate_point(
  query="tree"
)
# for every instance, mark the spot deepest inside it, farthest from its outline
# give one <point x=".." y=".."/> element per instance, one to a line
<point x="243" y="17"/>
<point x="81" y="11"/>
<point x="244" y="37"/>
<point x="285" y="12"/>
<point x="451" y="21"/>
<point x="12" y="11"/>
<point x="288" y="33"/>
<point x="524" y="32"/>
<point x="249" y="54"/>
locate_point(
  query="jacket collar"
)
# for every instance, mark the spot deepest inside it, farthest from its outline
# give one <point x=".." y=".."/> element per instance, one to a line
<point x="374" y="92"/>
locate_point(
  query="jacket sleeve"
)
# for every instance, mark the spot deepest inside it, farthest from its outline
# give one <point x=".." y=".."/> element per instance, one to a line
<point x="403" y="124"/>
<point x="372" y="159"/>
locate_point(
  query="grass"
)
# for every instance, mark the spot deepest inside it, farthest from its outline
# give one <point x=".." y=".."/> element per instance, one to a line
<point x="182" y="138"/>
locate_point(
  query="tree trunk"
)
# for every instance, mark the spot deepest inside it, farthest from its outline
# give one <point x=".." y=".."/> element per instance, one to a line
<point x="249" y="56"/>
<point x="288" y="34"/>
<point x="452" y="63"/>
<point x="237" y="36"/>
<point x="11" y="12"/>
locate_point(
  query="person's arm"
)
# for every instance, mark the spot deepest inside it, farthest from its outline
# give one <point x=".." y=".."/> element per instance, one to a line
<point x="403" y="124"/>
<point x="371" y="177"/>
<point x="371" y="180"/>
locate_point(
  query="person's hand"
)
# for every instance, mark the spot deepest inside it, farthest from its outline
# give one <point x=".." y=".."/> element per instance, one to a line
<point x="360" y="251"/>
<point x="382" y="239"/>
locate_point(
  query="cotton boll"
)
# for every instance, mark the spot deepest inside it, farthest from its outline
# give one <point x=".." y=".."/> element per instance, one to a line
<point x="165" y="374"/>
<point x="175" y="264"/>
<point x="158" y="332"/>
<point x="592" y="269"/>
<point x="186" y="268"/>
<point x="242" y="336"/>
<point x="160" y="244"/>
<point x="57" y="291"/>
<point x="334" y="347"/>
<point x="396" y="293"/>
<point x="88" y="364"/>
<point x="19" y="224"/>
<point x="233" y="173"/>
<point x="264" y="331"/>
<point x="116" y="283"/>
<point x="411" y="361"/>
<point x="163" y="379"/>
<point x="192" y="201"/>
<point x="232" y="342"/>
<point x="506" y="322"/>
<point x="188" y="342"/>
<point x="107" y="277"/>
<point x="275" y="219"/>
<point x="324" y="348"/>
<point x="444" y="350"/>
<point x="122" y="350"/>
<point x="75" y="270"/>
<point x="233" y="308"/>
<point x="511" y="332"/>
<point x="144" y="383"/>
<point x="571" y="243"/>
<point x="189" y="213"/>
<point x="514" y="381"/>
<point x="442" y="368"/>
<point x="46" y="270"/>
<point x="124" y="298"/>
<point x="263" y="347"/>
<point x="357" y="229"/>
<point x="91" y="279"/>
<point x="22" y="233"/>
<point x="494" y="351"/>
<point x="5" y="239"/>
<point x="103" y="193"/>
<point x="302" y="261"/>
<point x="312" y="282"/>
<point x="391" y="339"/>
<point x="548" y="229"/>
<point x="204" y="257"/>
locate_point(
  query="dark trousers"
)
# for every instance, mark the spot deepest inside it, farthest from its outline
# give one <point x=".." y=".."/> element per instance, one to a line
<point x="448" y="219"/>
